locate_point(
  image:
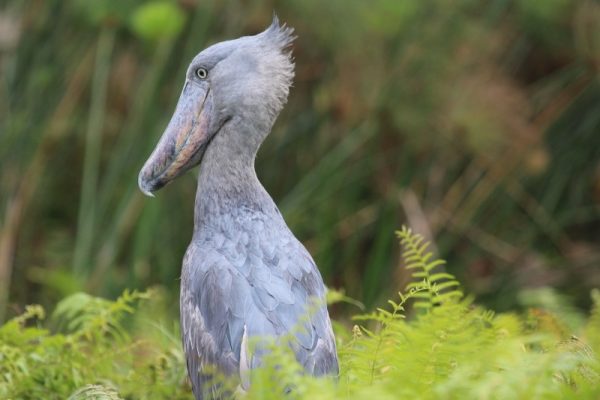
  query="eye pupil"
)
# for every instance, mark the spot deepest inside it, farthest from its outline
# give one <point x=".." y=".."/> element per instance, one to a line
<point x="201" y="73"/>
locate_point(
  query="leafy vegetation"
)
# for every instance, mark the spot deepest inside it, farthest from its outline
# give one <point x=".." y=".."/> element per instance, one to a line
<point x="85" y="349"/>
<point x="431" y="342"/>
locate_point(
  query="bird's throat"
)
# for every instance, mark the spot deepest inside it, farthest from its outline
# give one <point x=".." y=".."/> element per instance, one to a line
<point x="227" y="179"/>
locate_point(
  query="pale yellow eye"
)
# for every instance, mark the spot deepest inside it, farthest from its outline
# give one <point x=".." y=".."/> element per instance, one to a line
<point x="201" y="73"/>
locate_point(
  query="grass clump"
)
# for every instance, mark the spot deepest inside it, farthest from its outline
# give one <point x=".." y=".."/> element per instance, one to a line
<point x="432" y="342"/>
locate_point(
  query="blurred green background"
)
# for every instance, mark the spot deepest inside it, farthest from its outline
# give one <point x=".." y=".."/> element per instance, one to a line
<point x="477" y="123"/>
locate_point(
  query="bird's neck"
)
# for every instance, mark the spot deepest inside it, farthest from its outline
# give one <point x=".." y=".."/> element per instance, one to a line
<point x="227" y="182"/>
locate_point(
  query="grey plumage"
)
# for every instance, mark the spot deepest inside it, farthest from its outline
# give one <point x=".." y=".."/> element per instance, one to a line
<point x="244" y="274"/>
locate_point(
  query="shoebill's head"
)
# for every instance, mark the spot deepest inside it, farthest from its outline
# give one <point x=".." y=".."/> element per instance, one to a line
<point x="243" y="82"/>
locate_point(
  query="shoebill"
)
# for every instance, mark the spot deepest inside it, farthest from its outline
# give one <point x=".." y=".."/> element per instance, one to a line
<point x="245" y="275"/>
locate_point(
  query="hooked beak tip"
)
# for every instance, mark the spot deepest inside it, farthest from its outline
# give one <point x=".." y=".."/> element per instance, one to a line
<point x="144" y="187"/>
<point x="147" y="193"/>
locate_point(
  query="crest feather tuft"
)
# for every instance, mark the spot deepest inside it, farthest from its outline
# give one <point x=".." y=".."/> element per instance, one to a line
<point x="280" y="35"/>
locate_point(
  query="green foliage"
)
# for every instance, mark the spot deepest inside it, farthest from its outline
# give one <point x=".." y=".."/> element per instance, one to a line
<point x="158" y="19"/>
<point x="88" y="355"/>
<point x="448" y="348"/>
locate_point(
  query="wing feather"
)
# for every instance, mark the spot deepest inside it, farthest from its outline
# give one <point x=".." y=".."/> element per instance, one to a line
<point x="271" y="291"/>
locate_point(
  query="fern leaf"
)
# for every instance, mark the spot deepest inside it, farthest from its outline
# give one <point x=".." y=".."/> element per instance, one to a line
<point x="95" y="392"/>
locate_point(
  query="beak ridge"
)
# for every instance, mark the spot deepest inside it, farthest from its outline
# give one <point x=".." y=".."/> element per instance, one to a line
<point x="183" y="143"/>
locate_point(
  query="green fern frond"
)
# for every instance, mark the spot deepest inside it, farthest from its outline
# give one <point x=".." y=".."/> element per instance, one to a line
<point x="95" y="318"/>
<point x="12" y="331"/>
<point x="436" y="287"/>
<point x="95" y="392"/>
